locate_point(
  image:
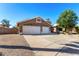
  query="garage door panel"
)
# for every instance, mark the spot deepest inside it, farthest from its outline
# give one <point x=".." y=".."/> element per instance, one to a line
<point x="46" y="30"/>
<point x="31" y="29"/>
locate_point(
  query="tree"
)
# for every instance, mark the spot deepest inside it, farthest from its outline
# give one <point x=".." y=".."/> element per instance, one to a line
<point x="5" y="23"/>
<point x="15" y="27"/>
<point x="48" y="20"/>
<point x="77" y="28"/>
<point x="67" y="20"/>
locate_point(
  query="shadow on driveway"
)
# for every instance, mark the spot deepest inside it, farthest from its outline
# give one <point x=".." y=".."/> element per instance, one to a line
<point x="62" y="50"/>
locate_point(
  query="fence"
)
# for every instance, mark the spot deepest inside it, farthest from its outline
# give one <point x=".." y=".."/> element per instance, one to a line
<point x="8" y="30"/>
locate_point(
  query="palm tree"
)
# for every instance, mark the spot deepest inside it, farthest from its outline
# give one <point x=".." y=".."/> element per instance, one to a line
<point x="5" y="23"/>
<point x="48" y="20"/>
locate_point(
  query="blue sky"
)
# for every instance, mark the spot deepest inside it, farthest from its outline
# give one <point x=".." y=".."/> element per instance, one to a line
<point x="15" y="12"/>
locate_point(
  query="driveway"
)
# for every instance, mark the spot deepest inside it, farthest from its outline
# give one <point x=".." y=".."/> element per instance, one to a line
<point x="53" y="45"/>
<point x="14" y="45"/>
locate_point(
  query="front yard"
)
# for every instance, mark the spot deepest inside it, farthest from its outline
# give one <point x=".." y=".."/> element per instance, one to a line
<point x="14" y="45"/>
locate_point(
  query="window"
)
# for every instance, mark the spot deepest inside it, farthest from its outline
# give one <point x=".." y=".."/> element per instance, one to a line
<point x="38" y="20"/>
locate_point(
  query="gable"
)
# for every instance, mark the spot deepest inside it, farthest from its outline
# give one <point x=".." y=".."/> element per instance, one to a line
<point x="34" y="22"/>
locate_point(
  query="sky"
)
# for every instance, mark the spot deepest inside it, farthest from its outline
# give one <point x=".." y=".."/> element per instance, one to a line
<point x="15" y="12"/>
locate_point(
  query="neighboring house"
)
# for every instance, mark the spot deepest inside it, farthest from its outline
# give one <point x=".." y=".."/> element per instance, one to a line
<point x="54" y="29"/>
<point x="74" y="31"/>
<point x="1" y="26"/>
<point x="34" y="26"/>
<point x="6" y="30"/>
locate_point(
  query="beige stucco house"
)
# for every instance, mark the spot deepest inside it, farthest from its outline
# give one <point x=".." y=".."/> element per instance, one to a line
<point x="36" y="25"/>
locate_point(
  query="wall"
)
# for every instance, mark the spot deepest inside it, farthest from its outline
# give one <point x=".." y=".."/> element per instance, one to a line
<point x="8" y="31"/>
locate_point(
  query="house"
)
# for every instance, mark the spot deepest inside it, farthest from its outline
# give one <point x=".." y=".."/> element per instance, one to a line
<point x="54" y="28"/>
<point x="1" y="25"/>
<point x="6" y="30"/>
<point x="34" y="26"/>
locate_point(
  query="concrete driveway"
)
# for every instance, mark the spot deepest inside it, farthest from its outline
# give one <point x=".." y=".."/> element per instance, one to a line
<point x="53" y="45"/>
<point x="14" y="45"/>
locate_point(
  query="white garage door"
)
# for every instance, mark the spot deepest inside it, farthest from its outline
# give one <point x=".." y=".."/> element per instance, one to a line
<point x="31" y="29"/>
<point x="46" y="30"/>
